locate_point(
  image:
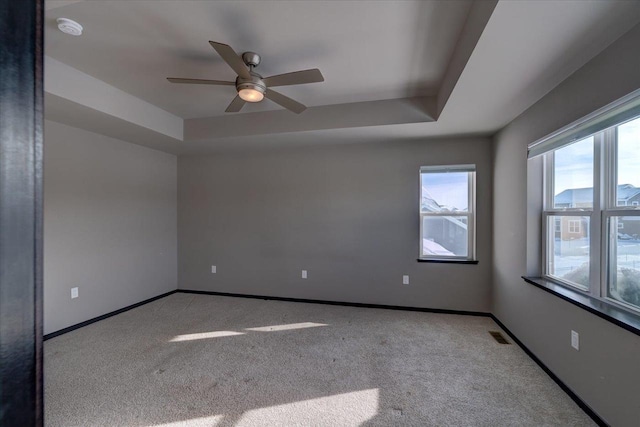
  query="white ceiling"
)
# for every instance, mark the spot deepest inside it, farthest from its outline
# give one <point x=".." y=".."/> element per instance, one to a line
<point x="386" y="65"/>
<point x="366" y="50"/>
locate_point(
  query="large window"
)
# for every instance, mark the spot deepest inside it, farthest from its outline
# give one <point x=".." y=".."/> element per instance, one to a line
<point x="447" y="212"/>
<point x="591" y="218"/>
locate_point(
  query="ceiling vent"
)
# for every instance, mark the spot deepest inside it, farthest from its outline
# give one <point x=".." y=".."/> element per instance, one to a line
<point x="68" y="26"/>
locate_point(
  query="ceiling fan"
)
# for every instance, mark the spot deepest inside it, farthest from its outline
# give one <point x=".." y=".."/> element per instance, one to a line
<point x="251" y="86"/>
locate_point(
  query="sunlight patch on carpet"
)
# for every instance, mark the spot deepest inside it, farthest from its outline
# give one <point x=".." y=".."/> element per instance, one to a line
<point x="195" y="422"/>
<point x="346" y="409"/>
<point x="204" y="335"/>
<point x="286" y="327"/>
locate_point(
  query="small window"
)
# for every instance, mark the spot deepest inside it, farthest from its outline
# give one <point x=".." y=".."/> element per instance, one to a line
<point x="447" y="212"/>
<point x="574" y="226"/>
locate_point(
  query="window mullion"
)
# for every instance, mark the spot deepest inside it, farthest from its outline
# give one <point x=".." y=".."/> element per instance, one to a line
<point x="610" y="203"/>
<point x="595" y="235"/>
<point x="610" y="177"/>
<point x="471" y="221"/>
<point x="548" y="181"/>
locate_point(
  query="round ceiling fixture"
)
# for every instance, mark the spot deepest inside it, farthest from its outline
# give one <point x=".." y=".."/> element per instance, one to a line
<point x="68" y="26"/>
<point x="251" y="89"/>
<point x="251" y="95"/>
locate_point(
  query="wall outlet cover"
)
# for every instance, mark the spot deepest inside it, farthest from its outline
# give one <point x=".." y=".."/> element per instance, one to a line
<point x="74" y="293"/>
<point x="405" y="280"/>
<point x="304" y="274"/>
<point x="214" y="269"/>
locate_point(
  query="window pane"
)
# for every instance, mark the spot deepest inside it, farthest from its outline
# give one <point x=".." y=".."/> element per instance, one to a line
<point x="445" y="192"/>
<point x="624" y="259"/>
<point x="445" y="236"/>
<point x="568" y="249"/>
<point x="628" y="189"/>
<point x="573" y="175"/>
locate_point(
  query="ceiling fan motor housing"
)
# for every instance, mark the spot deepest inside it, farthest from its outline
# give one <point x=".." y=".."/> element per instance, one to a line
<point x="255" y="82"/>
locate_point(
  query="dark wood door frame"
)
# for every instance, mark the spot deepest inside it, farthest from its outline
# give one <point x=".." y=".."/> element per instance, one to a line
<point x="21" y="120"/>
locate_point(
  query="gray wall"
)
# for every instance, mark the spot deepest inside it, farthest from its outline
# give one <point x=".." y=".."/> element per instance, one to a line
<point x="110" y="224"/>
<point x="346" y="213"/>
<point x="606" y="371"/>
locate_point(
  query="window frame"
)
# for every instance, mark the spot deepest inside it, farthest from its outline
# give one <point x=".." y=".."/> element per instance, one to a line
<point x="605" y="206"/>
<point x="470" y="214"/>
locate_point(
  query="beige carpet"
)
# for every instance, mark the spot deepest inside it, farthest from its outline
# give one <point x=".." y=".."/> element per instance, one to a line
<point x="199" y="360"/>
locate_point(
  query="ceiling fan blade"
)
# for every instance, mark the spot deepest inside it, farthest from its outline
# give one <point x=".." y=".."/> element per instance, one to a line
<point x="295" y="78"/>
<point x="285" y="101"/>
<point x="231" y="58"/>
<point x="200" y="81"/>
<point x="236" y="105"/>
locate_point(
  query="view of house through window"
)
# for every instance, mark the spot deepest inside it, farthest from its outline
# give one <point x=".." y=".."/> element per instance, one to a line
<point x="592" y="224"/>
<point x="447" y="212"/>
<point x="624" y="247"/>
<point x="568" y="247"/>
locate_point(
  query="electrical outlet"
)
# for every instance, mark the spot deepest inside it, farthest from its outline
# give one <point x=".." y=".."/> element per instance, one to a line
<point x="214" y="269"/>
<point x="405" y="279"/>
<point x="74" y="293"/>
<point x="304" y="274"/>
<point x="575" y="340"/>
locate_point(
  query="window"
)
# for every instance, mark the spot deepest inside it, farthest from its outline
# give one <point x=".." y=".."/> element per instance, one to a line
<point x="591" y="221"/>
<point x="447" y="212"/>
<point x="574" y="226"/>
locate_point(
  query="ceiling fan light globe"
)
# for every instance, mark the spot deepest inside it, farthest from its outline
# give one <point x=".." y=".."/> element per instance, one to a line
<point x="251" y="95"/>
